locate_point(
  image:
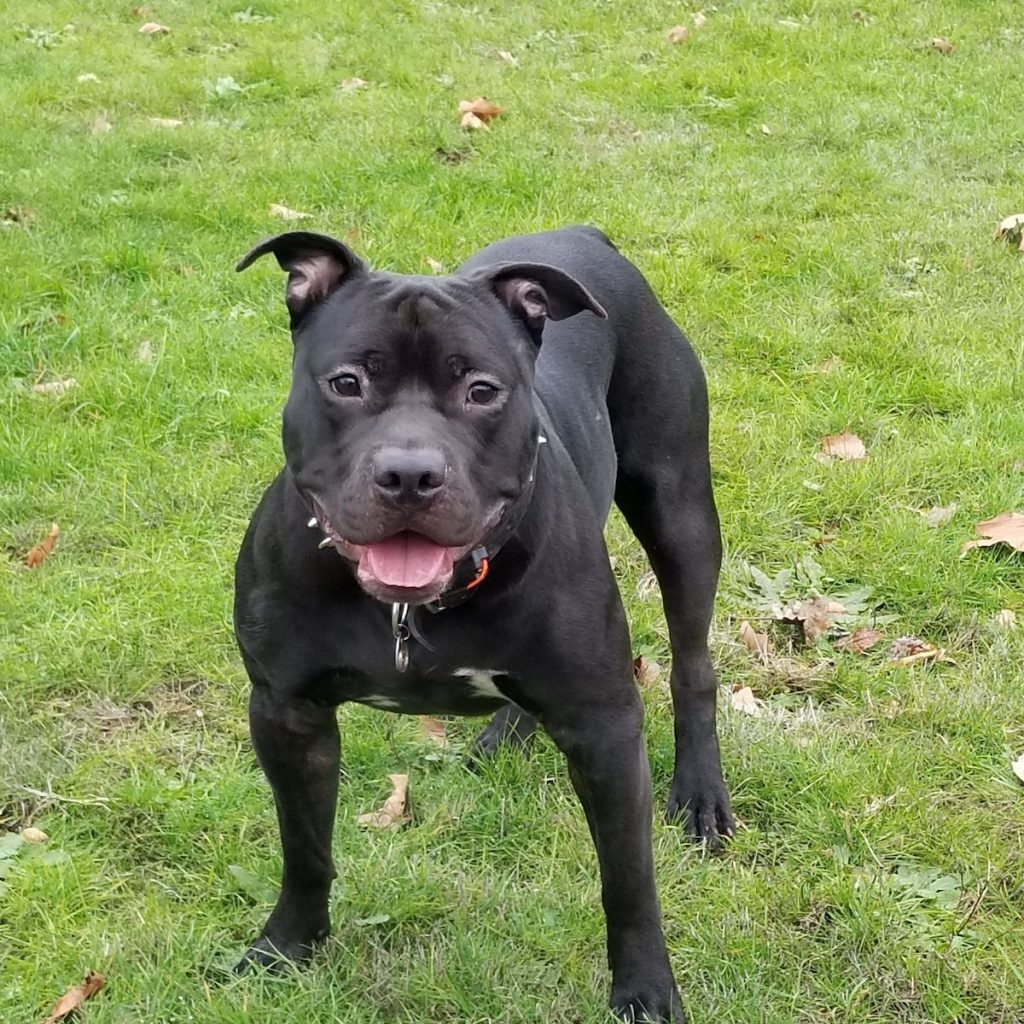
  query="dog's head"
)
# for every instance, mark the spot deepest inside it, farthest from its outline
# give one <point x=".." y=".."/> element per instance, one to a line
<point x="410" y="427"/>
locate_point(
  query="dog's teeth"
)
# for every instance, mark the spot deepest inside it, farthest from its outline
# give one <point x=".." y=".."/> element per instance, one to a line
<point x="542" y="439"/>
<point x="326" y="542"/>
<point x="312" y="522"/>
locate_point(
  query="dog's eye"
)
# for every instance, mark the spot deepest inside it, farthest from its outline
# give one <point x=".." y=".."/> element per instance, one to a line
<point x="346" y="385"/>
<point x="482" y="393"/>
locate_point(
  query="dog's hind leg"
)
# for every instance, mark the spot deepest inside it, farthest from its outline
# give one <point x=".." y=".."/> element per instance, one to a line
<point x="511" y="726"/>
<point x="664" y="490"/>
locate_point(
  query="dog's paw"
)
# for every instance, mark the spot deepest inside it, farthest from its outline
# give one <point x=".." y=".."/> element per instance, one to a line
<point x="649" y="1007"/>
<point x="276" y="957"/>
<point x="704" y="809"/>
<point x="511" y="727"/>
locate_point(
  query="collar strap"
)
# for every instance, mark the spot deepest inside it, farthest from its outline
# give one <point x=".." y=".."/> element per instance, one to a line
<point x="472" y="569"/>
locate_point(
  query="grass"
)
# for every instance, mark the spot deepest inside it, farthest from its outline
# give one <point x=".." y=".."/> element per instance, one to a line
<point x="798" y="185"/>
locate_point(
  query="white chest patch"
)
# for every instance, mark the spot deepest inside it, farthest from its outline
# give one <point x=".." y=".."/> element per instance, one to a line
<point x="482" y="680"/>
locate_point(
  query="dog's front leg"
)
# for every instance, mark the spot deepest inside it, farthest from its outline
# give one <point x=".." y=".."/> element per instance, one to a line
<point x="297" y="745"/>
<point x="603" y="745"/>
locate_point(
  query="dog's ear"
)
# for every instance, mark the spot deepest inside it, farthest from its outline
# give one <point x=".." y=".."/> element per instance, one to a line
<point x="535" y="293"/>
<point x="316" y="265"/>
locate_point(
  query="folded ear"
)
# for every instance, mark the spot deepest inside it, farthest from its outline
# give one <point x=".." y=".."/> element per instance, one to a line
<point x="316" y="265"/>
<point x="535" y="293"/>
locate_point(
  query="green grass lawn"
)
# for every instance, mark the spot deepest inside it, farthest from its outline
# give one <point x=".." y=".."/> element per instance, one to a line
<point x="813" y="194"/>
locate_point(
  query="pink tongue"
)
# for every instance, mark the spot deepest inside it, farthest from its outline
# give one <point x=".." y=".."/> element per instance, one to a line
<point x="406" y="560"/>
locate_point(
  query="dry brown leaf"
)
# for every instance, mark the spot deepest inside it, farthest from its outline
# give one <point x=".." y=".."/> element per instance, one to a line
<point x="1018" y="767"/>
<point x="939" y="515"/>
<point x="434" y="730"/>
<point x="508" y="58"/>
<point x="55" y="388"/>
<point x="166" y="122"/>
<point x="912" y="650"/>
<point x="844" y="446"/>
<point x="34" y="835"/>
<point x="42" y="551"/>
<point x="284" y="213"/>
<point x="815" y="615"/>
<point x="482" y="109"/>
<point x="1012" y="229"/>
<point x="757" y="643"/>
<point x="353" y="83"/>
<point x="1005" y="528"/>
<point x="860" y="641"/>
<point x="395" y="811"/>
<point x="75" y="996"/>
<point x="678" y="34"/>
<point x="646" y="671"/>
<point x="699" y="19"/>
<point x="944" y="46"/>
<point x="153" y="28"/>
<point x="743" y="699"/>
<point x="470" y="120"/>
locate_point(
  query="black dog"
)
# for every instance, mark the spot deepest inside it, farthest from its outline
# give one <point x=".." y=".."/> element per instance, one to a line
<point x="434" y="545"/>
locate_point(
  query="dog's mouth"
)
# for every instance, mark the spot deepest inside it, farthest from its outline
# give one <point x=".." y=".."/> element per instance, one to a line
<point x="406" y="567"/>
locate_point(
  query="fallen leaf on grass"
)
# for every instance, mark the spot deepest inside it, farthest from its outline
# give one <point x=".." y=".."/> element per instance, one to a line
<point x="699" y="19"/>
<point x="939" y="515"/>
<point x="74" y="997"/>
<point x="435" y="265"/>
<point x="166" y="122"/>
<point x="34" y="835"/>
<point x="153" y="28"/>
<point x="1005" y="528"/>
<point x="42" y="551"/>
<point x="860" y="641"/>
<point x="353" y="83"/>
<point x="816" y="616"/>
<point x="1018" y="767"/>
<point x="1012" y="229"/>
<point x="478" y="113"/>
<point x="843" y="446"/>
<point x="912" y="650"/>
<point x="434" y="730"/>
<point x="508" y="58"/>
<point x="757" y="643"/>
<point x="646" y="671"/>
<point x="284" y="213"/>
<point x="145" y="351"/>
<point x="395" y="811"/>
<point x="858" y="15"/>
<point x="55" y="388"/>
<point x="743" y="700"/>
<point x="944" y="46"/>
<point x="678" y="34"/>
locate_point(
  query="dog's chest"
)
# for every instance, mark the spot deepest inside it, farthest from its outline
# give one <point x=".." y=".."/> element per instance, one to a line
<point x="462" y="691"/>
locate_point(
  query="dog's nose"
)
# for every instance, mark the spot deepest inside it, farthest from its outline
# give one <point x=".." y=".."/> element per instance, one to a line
<point x="409" y="476"/>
